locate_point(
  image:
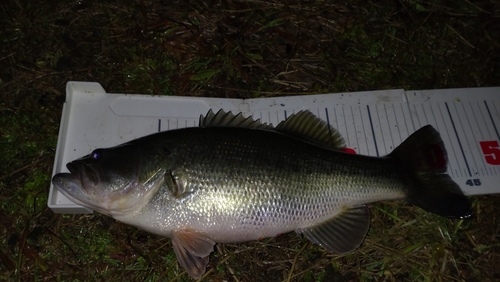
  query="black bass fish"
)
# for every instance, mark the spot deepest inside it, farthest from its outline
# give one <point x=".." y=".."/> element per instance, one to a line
<point x="233" y="179"/>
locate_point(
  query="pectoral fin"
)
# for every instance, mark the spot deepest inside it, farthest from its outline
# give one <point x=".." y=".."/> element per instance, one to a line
<point x="178" y="183"/>
<point x="343" y="233"/>
<point x="192" y="249"/>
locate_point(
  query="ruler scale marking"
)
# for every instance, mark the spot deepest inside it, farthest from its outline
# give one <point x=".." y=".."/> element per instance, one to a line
<point x="391" y="147"/>
<point x="341" y="126"/>
<point x="396" y="125"/>
<point x="366" y="132"/>
<point x="494" y="132"/>
<point x="458" y="139"/>
<point x="488" y="135"/>
<point x="430" y="117"/>
<point x="475" y="173"/>
<point x="328" y="120"/>
<point x="426" y="117"/>
<point x="455" y="145"/>
<point x="423" y="117"/>
<point x="435" y="120"/>
<point x="454" y="150"/>
<point x="381" y="130"/>
<point x="494" y="106"/>
<point x="356" y="147"/>
<point x="391" y="128"/>
<point x="345" y="122"/>
<point x="475" y="138"/>
<point x="336" y="119"/>
<point x="410" y="116"/>
<point x="373" y="130"/>
<point x="485" y="118"/>
<point x="455" y="172"/>
<point x="416" y="113"/>
<point x="439" y="125"/>
<point x="355" y="129"/>
<point x="383" y="135"/>
<point x="364" y="129"/>
<point x="361" y="133"/>
<point x="475" y="124"/>
<point x="440" y="117"/>
<point x="478" y="122"/>
<point x="480" y="127"/>
<point x="496" y="168"/>
<point x="404" y="118"/>
<point x="491" y="118"/>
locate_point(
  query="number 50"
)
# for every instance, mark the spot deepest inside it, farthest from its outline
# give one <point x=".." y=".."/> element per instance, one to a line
<point x="491" y="151"/>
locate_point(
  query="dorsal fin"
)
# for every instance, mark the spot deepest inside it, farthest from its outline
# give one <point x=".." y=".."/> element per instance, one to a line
<point x="228" y="119"/>
<point x="302" y="125"/>
<point x="305" y="125"/>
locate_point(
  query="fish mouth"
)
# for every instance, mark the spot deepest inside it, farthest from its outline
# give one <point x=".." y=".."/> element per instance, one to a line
<point x="88" y="177"/>
<point x="70" y="186"/>
<point x="78" y="184"/>
<point x="72" y="168"/>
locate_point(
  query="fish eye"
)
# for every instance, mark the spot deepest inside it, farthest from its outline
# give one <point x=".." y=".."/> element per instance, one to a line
<point x="96" y="154"/>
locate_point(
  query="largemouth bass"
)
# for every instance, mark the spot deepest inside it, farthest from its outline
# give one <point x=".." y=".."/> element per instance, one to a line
<point x="233" y="179"/>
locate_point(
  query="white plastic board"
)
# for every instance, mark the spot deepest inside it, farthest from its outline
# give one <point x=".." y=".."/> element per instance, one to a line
<point x="372" y="123"/>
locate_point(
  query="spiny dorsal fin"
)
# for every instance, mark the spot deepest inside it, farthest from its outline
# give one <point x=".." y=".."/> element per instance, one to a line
<point x="228" y="119"/>
<point x="302" y="125"/>
<point x="305" y="125"/>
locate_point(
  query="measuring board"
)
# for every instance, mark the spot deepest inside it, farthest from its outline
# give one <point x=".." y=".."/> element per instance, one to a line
<point x="372" y="123"/>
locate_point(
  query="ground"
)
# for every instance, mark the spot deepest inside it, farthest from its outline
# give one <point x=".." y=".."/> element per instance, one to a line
<point x="236" y="49"/>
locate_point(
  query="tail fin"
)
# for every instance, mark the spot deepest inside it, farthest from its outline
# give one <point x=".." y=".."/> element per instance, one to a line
<point x="424" y="153"/>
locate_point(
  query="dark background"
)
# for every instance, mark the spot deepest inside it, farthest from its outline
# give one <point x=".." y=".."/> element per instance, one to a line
<point x="234" y="49"/>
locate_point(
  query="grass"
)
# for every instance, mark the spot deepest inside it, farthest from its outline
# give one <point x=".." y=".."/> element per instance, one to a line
<point x="234" y="49"/>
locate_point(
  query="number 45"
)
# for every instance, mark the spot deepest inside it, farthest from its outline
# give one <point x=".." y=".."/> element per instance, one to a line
<point x="491" y="151"/>
<point x="473" y="182"/>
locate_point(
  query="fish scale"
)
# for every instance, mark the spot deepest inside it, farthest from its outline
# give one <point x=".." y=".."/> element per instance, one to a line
<point x="303" y="176"/>
<point x="234" y="180"/>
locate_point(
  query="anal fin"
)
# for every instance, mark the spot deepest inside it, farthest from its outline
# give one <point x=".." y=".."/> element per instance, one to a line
<point x="192" y="250"/>
<point x="343" y="233"/>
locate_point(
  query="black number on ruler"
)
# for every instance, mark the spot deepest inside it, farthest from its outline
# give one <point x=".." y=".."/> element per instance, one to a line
<point x="473" y="182"/>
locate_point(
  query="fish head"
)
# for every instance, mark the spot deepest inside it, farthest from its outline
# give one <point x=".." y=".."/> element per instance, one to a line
<point x="114" y="181"/>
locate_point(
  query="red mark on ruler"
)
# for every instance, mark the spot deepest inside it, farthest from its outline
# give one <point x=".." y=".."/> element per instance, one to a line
<point x="434" y="156"/>
<point x="491" y="151"/>
<point x="349" y="151"/>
